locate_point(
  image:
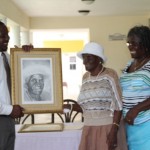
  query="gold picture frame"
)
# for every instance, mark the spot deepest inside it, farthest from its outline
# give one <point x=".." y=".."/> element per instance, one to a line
<point x="40" y="65"/>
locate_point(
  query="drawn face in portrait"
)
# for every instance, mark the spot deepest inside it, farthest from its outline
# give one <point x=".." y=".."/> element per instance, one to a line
<point x="37" y="81"/>
<point x="35" y="85"/>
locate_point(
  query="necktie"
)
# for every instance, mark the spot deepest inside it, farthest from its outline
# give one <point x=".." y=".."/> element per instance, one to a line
<point x="7" y="68"/>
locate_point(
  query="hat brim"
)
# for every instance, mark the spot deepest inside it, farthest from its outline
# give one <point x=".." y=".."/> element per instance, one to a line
<point x="79" y="54"/>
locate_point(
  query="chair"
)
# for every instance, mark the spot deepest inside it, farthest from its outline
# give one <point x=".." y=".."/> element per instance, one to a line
<point x="69" y="104"/>
<point x="22" y="120"/>
<point x="31" y="118"/>
<point x="74" y="109"/>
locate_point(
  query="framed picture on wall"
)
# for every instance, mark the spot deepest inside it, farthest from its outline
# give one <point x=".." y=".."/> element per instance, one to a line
<point x="37" y="79"/>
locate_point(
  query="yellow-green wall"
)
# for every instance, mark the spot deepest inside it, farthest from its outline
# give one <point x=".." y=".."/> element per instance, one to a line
<point x="100" y="28"/>
<point x="11" y="11"/>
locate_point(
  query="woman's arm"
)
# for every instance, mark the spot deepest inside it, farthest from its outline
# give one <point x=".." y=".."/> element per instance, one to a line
<point x="112" y="136"/>
<point x="133" y="112"/>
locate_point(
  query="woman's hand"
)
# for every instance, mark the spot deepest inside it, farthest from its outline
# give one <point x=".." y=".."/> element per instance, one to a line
<point x="112" y="138"/>
<point x="133" y="112"/>
<point x="131" y="115"/>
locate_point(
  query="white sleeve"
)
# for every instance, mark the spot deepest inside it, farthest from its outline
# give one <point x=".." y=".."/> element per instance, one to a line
<point x="5" y="109"/>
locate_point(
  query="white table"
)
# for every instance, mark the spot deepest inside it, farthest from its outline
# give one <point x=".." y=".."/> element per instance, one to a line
<point x="68" y="139"/>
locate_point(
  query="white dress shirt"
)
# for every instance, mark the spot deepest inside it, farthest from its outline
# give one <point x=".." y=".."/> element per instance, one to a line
<point x="5" y="101"/>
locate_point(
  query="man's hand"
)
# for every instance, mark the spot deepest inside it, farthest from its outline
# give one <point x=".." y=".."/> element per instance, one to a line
<point x="17" y="111"/>
<point x="26" y="48"/>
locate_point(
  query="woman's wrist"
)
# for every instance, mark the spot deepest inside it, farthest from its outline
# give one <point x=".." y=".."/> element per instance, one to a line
<point x="114" y="128"/>
<point x="116" y="124"/>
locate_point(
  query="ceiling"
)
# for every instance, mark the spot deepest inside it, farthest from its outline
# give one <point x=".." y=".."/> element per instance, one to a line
<point x="50" y="8"/>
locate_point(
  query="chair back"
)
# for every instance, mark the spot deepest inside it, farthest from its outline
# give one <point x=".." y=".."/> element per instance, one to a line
<point x="73" y="110"/>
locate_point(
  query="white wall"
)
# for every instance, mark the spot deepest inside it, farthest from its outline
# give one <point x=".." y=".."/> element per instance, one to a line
<point x="72" y="78"/>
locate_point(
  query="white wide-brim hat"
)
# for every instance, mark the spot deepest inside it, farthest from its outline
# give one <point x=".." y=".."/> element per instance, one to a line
<point x="36" y="69"/>
<point x="32" y="69"/>
<point x="94" y="49"/>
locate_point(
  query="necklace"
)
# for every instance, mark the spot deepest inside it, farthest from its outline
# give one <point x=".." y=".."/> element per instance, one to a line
<point x="140" y="64"/>
<point x="98" y="73"/>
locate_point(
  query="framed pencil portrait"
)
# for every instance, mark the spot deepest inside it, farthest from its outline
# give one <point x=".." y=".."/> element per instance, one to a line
<point x="37" y="79"/>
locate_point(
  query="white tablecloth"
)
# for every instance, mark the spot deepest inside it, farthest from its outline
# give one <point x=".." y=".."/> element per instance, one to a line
<point x="64" y="140"/>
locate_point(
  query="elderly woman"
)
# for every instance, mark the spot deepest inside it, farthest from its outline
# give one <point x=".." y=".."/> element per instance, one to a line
<point x="100" y="99"/>
<point x="37" y="81"/>
<point x="135" y="82"/>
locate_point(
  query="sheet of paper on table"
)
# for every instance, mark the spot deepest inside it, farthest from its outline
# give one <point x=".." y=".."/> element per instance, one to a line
<point x="41" y="127"/>
<point x="50" y="127"/>
<point x="73" y="126"/>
